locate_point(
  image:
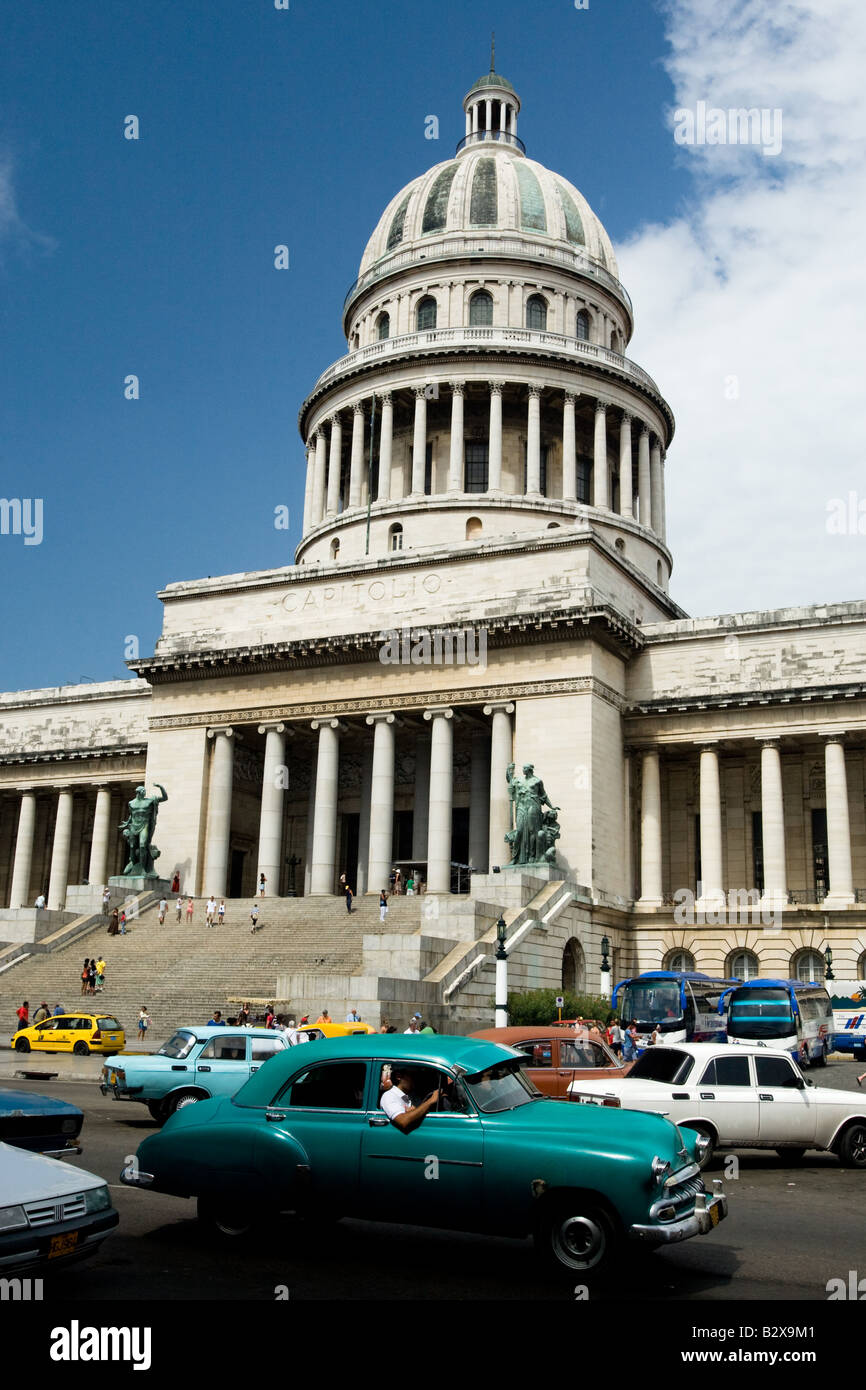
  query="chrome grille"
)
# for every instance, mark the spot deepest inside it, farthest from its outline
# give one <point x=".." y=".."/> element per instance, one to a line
<point x="64" y="1209"/>
<point x="685" y="1192"/>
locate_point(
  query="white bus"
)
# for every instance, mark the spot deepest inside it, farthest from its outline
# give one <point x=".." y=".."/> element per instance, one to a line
<point x="784" y="1014"/>
<point x="848" y="1001"/>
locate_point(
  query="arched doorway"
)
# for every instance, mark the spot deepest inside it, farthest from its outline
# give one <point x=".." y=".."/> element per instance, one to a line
<point x="573" y="967"/>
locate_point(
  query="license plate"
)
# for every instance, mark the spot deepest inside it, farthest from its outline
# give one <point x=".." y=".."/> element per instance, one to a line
<point x="62" y="1245"/>
<point x="714" y="1215"/>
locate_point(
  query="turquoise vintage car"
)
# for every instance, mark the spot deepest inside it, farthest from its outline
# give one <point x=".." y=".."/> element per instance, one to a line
<point x="196" y="1063"/>
<point x="307" y="1133"/>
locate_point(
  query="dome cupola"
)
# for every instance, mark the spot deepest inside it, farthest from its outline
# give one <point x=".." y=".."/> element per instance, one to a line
<point x="491" y="108"/>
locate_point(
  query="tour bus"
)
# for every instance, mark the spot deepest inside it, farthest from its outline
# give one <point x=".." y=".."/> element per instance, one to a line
<point x="787" y="1015"/>
<point x="848" y="1002"/>
<point x="683" y="1004"/>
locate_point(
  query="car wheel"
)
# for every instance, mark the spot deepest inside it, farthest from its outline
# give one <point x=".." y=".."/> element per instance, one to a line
<point x="229" y="1219"/>
<point x="81" y="1049"/>
<point x="182" y="1100"/>
<point x="821" y="1059"/>
<point x="705" y="1133"/>
<point x="157" y="1111"/>
<point x="852" y="1146"/>
<point x="791" y="1155"/>
<point x="22" y="1045"/>
<point x="577" y="1236"/>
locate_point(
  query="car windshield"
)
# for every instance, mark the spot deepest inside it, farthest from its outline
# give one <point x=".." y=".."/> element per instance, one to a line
<point x="178" y="1046"/>
<point x="501" y="1087"/>
<point x="760" y="1013"/>
<point x="651" y="1002"/>
<point x="666" y="1064"/>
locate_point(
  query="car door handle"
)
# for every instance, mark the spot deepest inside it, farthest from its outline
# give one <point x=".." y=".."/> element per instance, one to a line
<point x="274" y="1116"/>
<point x="256" y="1067"/>
<point x="178" y="1068"/>
<point x="708" y="1095"/>
<point x="679" y="1095"/>
<point x="378" y="1122"/>
<point x="763" y="1095"/>
<point x="205" y="1068"/>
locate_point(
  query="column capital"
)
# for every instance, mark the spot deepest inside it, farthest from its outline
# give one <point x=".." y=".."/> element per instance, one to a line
<point x="500" y="707"/>
<point x="334" y="419"/>
<point x="496" y="387"/>
<point x="458" y="388"/>
<point x="832" y="735"/>
<point x="773" y="741"/>
<point x="626" y="417"/>
<point x="319" y="433"/>
<point x="536" y="391"/>
<point x="381" y="717"/>
<point x="221" y="729"/>
<point x="420" y="392"/>
<point x="644" y="429"/>
<point x="439" y="711"/>
<point x="276" y="728"/>
<point x="359" y="407"/>
<point x="329" y="724"/>
<point x="385" y="397"/>
<point x="708" y="745"/>
<point x="570" y="396"/>
<point x="601" y="405"/>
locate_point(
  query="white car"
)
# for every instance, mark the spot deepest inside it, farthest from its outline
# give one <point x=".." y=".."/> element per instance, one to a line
<point x="738" y="1096"/>
<point x="50" y="1212"/>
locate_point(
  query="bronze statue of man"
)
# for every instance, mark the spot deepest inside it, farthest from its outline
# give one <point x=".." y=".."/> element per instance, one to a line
<point x="138" y="831"/>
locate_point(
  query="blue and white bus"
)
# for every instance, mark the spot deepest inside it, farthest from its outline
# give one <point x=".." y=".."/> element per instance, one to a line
<point x="786" y="1015"/>
<point x="848" y="1002"/>
<point x="682" y="1004"/>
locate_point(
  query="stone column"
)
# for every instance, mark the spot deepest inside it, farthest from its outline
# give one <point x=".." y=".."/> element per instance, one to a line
<point x="381" y="800"/>
<point x="569" y="450"/>
<point x="503" y="115"/>
<point x="274" y="787"/>
<point x="628" y="864"/>
<point x="97" y="873"/>
<point x="419" y="442"/>
<point x="386" y="436"/>
<point x="363" y="884"/>
<point x="600" y="492"/>
<point x="643" y="477"/>
<point x="625" y="479"/>
<point x="317" y="507"/>
<point x="773" y="825"/>
<point x="356" y="466"/>
<point x="479" y="800"/>
<point x="60" y="851"/>
<point x="650" y="831"/>
<point x="488" y="113"/>
<point x="711" y="893"/>
<point x="841" y="892"/>
<point x="311" y="815"/>
<point x="533" y="443"/>
<point x="219" y="812"/>
<point x="309" y="487"/>
<point x="455" y="457"/>
<point x="322" y="879"/>
<point x="441" y="793"/>
<point x="501" y="754"/>
<point x="421" y="808"/>
<point x="656" y="487"/>
<point x="468" y="123"/>
<point x="334" y="465"/>
<point x="23" y="862"/>
<point x="494" y="471"/>
<point x="663" y="497"/>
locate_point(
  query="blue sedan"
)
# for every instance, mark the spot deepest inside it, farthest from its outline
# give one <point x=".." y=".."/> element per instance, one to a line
<point x="40" y="1123"/>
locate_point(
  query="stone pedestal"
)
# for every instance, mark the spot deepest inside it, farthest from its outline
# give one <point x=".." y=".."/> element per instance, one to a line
<point x="130" y="885"/>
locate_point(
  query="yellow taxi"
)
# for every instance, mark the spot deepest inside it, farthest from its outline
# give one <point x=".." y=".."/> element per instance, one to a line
<point x="79" y="1033"/>
<point x="316" y="1031"/>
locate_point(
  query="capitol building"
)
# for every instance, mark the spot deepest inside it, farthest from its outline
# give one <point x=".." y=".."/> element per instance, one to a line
<point x="482" y="579"/>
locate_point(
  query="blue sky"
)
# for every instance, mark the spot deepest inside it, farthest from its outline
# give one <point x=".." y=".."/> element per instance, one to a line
<point x="155" y="257"/>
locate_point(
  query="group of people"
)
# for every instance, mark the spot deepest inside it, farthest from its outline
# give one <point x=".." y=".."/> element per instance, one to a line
<point x="93" y="976"/>
<point x="625" y="1042"/>
<point x="22" y="1015"/>
<point x="411" y="884"/>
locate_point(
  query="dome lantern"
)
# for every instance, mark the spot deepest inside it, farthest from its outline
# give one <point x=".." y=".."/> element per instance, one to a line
<point x="491" y="108"/>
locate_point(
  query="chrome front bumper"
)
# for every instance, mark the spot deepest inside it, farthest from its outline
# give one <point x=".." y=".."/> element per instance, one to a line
<point x="708" y="1212"/>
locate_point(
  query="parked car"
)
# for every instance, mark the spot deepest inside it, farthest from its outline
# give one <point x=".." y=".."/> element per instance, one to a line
<point x="553" y="1059"/>
<point x="195" y="1064"/>
<point x="81" y="1033"/>
<point x="740" y="1097"/>
<point x="40" y="1123"/>
<point x="314" y="1032"/>
<point x="51" y="1212"/>
<point x="308" y="1133"/>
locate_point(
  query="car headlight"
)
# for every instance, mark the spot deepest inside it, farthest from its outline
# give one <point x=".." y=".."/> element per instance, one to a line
<point x="660" y="1168"/>
<point x="68" y="1126"/>
<point x="98" y="1199"/>
<point x="12" y="1218"/>
<point x="702" y="1143"/>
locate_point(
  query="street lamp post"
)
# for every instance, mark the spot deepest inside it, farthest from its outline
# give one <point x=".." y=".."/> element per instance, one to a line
<point x="605" y="968"/>
<point x="501" y="1003"/>
<point x="828" y="962"/>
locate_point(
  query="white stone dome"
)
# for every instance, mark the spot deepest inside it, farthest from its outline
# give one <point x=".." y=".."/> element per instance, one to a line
<point x="494" y="192"/>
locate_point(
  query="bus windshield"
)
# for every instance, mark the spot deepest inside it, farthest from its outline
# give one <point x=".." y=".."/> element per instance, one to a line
<point x="765" y="1013"/>
<point x="651" y="1002"/>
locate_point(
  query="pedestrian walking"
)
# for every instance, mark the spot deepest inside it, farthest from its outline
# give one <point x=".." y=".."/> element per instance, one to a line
<point x="23" y="1015"/>
<point x="244" y="1018"/>
<point x="123" y="923"/>
<point x="114" y="923"/>
<point x="262" y="882"/>
<point x="85" y="975"/>
<point x="270" y="1016"/>
<point x="106" y="901"/>
<point x="348" y="898"/>
<point x="143" y="1023"/>
<point x="178" y="907"/>
<point x="100" y="974"/>
<point x="254" y="916"/>
<point x="210" y="910"/>
<point x="398" y="882"/>
<point x="41" y="1013"/>
<point x="392" y="878"/>
<point x="175" y="883"/>
<point x="189" y="911"/>
<point x="221" y="911"/>
<point x="383" y="905"/>
<point x="163" y="909"/>
<point x="58" y="1010"/>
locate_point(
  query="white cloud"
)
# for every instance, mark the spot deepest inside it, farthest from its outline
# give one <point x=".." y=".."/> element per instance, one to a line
<point x="13" y="229"/>
<point x="761" y="277"/>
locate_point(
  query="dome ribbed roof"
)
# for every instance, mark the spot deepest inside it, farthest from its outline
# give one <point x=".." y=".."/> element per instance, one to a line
<point x="488" y="190"/>
<point x="491" y="79"/>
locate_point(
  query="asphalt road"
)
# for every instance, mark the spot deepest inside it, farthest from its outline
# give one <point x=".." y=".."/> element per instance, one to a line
<point x="791" y="1228"/>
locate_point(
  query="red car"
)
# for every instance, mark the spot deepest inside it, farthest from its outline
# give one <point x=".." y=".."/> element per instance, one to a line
<point x="555" y="1057"/>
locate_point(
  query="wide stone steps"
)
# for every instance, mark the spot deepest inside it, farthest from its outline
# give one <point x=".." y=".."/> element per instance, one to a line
<point x="182" y="972"/>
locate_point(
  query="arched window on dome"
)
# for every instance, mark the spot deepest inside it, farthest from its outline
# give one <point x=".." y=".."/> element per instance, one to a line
<point x="615" y="342"/>
<point x="481" y="310"/>
<point x="383" y="327"/>
<point x="425" y="314"/>
<point x="473" y="527"/>
<point x="582" y="326"/>
<point x="536" y="312"/>
<point x="395" y="537"/>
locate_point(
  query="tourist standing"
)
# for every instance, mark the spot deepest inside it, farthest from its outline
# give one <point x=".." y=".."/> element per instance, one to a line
<point x="210" y="910"/>
<point x="85" y="975"/>
<point x="244" y="1020"/>
<point x="23" y="1014"/>
<point x="383" y="905"/>
<point x="40" y="902"/>
<point x="41" y="1013"/>
<point x="123" y="923"/>
<point x="353" y="1016"/>
<point x="91" y="977"/>
<point x="178" y="907"/>
<point x="348" y="898"/>
<point x="106" y="901"/>
<point x="100" y="974"/>
<point x="262" y="882"/>
<point x="163" y="909"/>
<point x="114" y="923"/>
<point x="189" y="911"/>
<point x="254" y="916"/>
<point x="175" y="883"/>
<point x="221" y="912"/>
<point x="143" y="1024"/>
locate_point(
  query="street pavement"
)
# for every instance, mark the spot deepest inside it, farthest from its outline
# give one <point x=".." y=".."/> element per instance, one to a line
<point x="791" y="1228"/>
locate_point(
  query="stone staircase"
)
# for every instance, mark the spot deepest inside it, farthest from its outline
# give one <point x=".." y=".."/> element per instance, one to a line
<point x="182" y="973"/>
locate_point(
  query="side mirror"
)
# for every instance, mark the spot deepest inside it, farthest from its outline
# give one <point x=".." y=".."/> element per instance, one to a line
<point x="798" y="1083"/>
